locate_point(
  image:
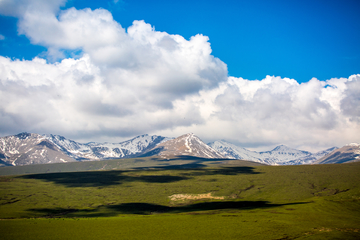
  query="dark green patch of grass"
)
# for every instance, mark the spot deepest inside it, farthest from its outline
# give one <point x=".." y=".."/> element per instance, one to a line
<point x="101" y="178"/>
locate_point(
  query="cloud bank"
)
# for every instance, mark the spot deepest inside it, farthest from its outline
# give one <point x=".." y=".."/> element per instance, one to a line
<point x="103" y="82"/>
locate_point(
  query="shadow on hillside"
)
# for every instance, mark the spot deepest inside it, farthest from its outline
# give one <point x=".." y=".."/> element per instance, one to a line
<point x="201" y="164"/>
<point x="151" y="175"/>
<point x="101" y="178"/>
<point x="189" y="158"/>
<point x="148" y="208"/>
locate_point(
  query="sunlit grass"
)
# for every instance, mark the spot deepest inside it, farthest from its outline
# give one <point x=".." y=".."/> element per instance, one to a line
<point x="260" y="202"/>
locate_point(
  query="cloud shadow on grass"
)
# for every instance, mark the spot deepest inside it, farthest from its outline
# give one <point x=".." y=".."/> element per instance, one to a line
<point x="151" y="175"/>
<point x="101" y="178"/>
<point x="149" y="208"/>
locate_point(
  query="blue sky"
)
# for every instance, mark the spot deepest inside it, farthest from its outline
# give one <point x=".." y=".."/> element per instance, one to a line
<point x="255" y="73"/>
<point x="294" y="39"/>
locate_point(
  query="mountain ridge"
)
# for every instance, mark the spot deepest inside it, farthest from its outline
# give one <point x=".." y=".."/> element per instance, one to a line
<point x="31" y="148"/>
<point x="280" y="155"/>
<point x="347" y="153"/>
<point x="187" y="144"/>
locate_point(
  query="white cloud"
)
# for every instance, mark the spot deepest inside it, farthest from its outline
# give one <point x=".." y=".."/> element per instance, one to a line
<point x="281" y="111"/>
<point x="2" y="37"/>
<point x="139" y="80"/>
<point x="126" y="82"/>
<point x="350" y="104"/>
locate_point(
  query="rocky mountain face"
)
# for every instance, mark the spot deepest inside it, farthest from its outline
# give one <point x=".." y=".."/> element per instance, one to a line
<point x="188" y="144"/>
<point x="348" y="153"/>
<point x="281" y="155"/>
<point x="30" y="148"/>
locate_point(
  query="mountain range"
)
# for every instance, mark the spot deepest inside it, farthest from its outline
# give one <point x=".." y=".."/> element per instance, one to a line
<point x="348" y="153"/>
<point x="32" y="148"/>
<point x="280" y="155"/>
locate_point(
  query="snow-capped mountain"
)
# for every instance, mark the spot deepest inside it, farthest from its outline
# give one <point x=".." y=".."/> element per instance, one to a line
<point x="232" y="151"/>
<point x="30" y="148"/>
<point x="348" y="153"/>
<point x="187" y="144"/>
<point x="98" y="151"/>
<point x="281" y="155"/>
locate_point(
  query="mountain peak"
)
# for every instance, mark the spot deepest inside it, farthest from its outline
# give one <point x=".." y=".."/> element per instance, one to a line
<point x="187" y="144"/>
<point x="281" y="148"/>
<point x="187" y="135"/>
<point x="348" y="153"/>
<point x="23" y="135"/>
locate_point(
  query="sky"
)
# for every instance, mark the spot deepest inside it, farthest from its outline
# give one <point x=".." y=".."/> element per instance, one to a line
<point x="254" y="73"/>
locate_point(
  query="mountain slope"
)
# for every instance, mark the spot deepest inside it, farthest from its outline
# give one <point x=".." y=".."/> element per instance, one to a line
<point x="187" y="144"/>
<point x="98" y="151"/>
<point x="348" y="153"/>
<point x="281" y="155"/>
<point x="232" y="151"/>
<point x="30" y="148"/>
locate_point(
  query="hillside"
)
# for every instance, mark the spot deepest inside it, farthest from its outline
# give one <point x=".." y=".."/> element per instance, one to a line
<point x="210" y="202"/>
<point x="177" y="162"/>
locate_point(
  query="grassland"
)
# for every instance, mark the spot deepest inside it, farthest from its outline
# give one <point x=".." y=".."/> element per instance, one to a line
<point x="254" y="202"/>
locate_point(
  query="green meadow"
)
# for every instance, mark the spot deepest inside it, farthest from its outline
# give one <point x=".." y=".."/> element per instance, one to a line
<point x="216" y="200"/>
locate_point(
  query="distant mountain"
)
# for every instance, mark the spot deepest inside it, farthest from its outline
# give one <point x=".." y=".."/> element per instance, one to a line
<point x="187" y="144"/>
<point x="30" y="148"/>
<point x="348" y="153"/>
<point x="281" y="155"/>
<point x="98" y="151"/>
<point x="232" y="151"/>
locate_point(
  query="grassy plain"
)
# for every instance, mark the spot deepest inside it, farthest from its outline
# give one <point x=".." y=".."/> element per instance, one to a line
<point x="260" y="202"/>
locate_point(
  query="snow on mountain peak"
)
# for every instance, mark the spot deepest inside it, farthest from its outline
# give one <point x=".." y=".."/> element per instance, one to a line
<point x="282" y="148"/>
<point x="187" y="144"/>
<point x="97" y="151"/>
<point x="347" y="153"/>
<point x="280" y="155"/>
<point x="30" y="148"/>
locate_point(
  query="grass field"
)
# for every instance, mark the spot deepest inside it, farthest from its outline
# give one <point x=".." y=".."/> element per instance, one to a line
<point x="237" y="200"/>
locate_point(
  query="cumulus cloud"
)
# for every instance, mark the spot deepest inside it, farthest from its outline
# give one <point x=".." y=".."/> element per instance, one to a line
<point x="126" y="82"/>
<point x="350" y="104"/>
<point x="274" y="110"/>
